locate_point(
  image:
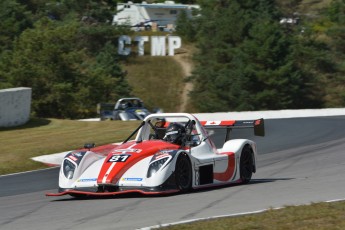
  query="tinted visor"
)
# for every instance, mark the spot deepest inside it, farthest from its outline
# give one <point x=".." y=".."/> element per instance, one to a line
<point x="171" y="136"/>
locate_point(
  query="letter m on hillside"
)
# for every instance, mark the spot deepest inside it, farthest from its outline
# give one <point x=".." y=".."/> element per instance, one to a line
<point x="158" y="46"/>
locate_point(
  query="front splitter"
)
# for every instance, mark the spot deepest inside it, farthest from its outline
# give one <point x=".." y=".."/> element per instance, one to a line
<point x="76" y="192"/>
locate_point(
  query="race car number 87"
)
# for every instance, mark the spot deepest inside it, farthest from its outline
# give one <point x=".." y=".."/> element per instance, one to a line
<point x="118" y="158"/>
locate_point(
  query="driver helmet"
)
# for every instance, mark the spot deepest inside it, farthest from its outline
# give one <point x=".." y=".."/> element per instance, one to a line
<point x="159" y="123"/>
<point x="175" y="133"/>
<point x="124" y="105"/>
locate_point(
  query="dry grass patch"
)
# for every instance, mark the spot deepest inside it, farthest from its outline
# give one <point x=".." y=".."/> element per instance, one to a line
<point x="158" y="81"/>
<point x="47" y="136"/>
<point x="313" y="7"/>
<point x="306" y="217"/>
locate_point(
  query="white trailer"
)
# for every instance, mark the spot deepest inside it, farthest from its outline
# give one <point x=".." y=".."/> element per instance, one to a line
<point x="145" y="15"/>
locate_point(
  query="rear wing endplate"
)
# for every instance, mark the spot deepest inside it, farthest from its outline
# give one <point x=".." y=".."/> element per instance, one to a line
<point x="258" y="125"/>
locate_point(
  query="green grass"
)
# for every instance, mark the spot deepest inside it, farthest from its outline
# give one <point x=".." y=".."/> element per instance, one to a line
<point x="158" y="81"/>
<point x="47" y="136"/>
<point x="306" y="217"/>
<point x="313" y="7"/>
<point x="309" y="8"/>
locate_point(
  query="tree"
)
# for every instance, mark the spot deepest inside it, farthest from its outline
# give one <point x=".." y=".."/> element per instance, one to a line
<point x="63" y="50"/>
<point x="246" y="60"/>
<point x="108" y="78"/>
<point x="186" y="26"/>
<point x="43" y="58"/>
<point x="50" y="59"/>
<point x="14" y="20"/>
<point x="95" y="11"/>
<point x="335" y="32"/>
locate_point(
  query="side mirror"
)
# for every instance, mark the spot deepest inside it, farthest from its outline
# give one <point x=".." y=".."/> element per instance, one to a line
<point x="157" y="110"/>
<point x="89" y="146"/>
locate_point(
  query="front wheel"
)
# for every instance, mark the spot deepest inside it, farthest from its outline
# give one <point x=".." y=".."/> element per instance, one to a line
<point x="246" y="164"/>
<point x="183" y="173"/>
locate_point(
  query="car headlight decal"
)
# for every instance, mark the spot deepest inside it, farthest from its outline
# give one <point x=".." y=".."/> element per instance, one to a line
<point x="68" y="169"/>
<point x="155" y="166"/>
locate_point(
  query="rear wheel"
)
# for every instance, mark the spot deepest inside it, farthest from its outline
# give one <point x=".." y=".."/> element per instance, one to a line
<point x="183" y="173"/>
<point x="246" y="164"/>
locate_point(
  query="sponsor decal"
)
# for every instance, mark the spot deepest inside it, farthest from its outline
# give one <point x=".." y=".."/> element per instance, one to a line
<point x="213" y="122"/>
<point x="217" y="123"/>
<point x="161" y="152"/>
<point x="132" y="179"/>
<point x="119" y="158"/>
<point x="73" y="158"/>
<point x="87" y="179"/>
<point x="171" y="132"/>
<point x="162" y="155"/>
<point x="78" y="154"/>
<point x="126" y="151"/>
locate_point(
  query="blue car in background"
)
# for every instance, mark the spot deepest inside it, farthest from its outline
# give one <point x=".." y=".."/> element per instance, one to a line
<point x="125" y="109"/>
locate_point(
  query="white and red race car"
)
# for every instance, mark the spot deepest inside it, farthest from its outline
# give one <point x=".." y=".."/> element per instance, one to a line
<point x="172" y="152"/>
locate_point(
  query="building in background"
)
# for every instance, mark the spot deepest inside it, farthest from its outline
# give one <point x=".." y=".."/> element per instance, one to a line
<point x="153" y="16"/>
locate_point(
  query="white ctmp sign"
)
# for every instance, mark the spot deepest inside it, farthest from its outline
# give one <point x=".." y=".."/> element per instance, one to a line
<point x="158" y="45"/>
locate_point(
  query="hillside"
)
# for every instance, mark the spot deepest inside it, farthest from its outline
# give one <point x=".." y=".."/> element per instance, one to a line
<point x="304" y="7"/>
<point x="308" y="11"/>
<point x="71" y="63"/>
<point x="160" y="81"/>
<point x="313" y="7"/>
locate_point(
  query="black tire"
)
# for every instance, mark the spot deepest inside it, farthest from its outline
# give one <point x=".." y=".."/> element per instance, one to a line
<point x="116" y="115"/>
<point x="246" y="164"/>
<point x="183" y="173"/>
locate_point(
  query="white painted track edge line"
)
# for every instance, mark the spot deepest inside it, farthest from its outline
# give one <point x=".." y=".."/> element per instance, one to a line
<point x="37" y="170"/>
<point x="201" y="219"/>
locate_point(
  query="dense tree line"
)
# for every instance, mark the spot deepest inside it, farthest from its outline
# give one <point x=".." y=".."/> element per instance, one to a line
<point x="248" y="60"/>
<point x="65" y="51"/>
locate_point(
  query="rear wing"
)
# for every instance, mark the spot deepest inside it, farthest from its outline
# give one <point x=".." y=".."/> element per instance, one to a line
<point x="258" y="125"/>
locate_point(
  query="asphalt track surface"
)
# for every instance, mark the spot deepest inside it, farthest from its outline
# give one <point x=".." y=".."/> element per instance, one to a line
<point x="301" y="160"/>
